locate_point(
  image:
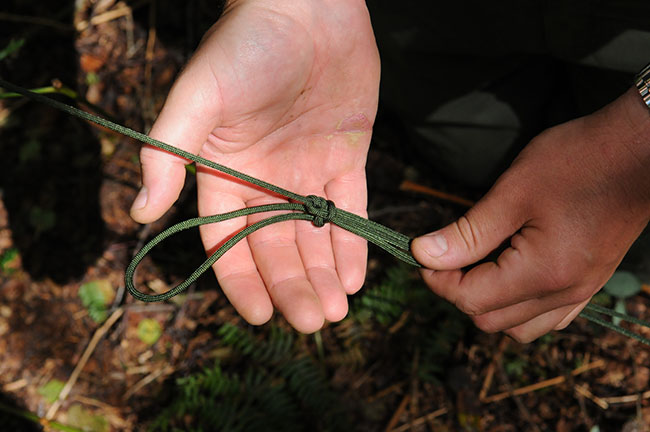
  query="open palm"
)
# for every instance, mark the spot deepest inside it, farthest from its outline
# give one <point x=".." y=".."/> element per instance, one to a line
<point x="286" y="92"/>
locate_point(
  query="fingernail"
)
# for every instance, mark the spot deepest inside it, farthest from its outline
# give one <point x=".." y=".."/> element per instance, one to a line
<point x="435" y="245"/>
<point x="141" y="200"/>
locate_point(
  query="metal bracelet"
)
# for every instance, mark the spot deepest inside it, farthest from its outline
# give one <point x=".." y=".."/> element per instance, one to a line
<point x="643" y="84"/>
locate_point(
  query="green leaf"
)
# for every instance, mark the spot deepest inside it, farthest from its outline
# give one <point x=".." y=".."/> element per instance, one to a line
<point x="95" y="296"/>
<point x="92" y="78"/>
<point x="86" y="420"/>
<point x="12" y="48"/>
<point x="149" y="331"/>
<point x="9" y="261"/>
<point x="51" y="390"/>
<point x="623" y="284"/>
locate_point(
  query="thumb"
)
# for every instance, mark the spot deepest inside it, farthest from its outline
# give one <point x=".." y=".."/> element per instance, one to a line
<point x="189" y="115"/>
<point x="472" y="237"/>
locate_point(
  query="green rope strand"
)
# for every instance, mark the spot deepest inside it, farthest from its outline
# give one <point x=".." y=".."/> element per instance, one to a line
<point x="606" y="311"/>
<point x="617" y="328"/>
<point x="312" y="208"/>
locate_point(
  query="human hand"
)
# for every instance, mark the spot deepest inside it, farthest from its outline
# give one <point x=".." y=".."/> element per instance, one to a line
<point x="570" y="206"/>
<point x="287" y="92"/>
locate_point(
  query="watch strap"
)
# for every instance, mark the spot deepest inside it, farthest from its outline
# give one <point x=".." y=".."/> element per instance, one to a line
<point x="643" y="84"/>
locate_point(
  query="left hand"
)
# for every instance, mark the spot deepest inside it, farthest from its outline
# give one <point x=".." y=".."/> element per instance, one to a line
<point x="570" y="206"/>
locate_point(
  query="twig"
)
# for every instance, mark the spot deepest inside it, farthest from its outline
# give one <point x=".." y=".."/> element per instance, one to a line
<point x="583" y="391"/>
<point x="415" y="187"/>
<point x="632" y="398"/>
<point x="421" y="420"/>
<point x="16" y="385"/>
<point x="520" y="405"/>
<point x="398" y="413"/>
<point x="148" y="380"/>
<point x="543" y="384"/>
<point x="105" y="17"/>
<point x="99" y="333"/>
<point x="366" y="375"/>
<point x="110" y="412"/>
<point x="385" y="392"/>
<point x="400" y="322"/>
<point x="489" y="375"/>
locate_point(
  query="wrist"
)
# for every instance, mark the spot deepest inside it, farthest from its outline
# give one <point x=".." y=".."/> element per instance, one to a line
<point x="636" y="118"/>
<point x="636" y="121"/>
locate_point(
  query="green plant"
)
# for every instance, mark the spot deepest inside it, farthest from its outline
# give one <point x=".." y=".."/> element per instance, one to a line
<point x="9" y="261"/>
<point x="96" y="296"/>
<point x="430" y="325"/>
<point x="621" y="286"/>
<point x="50" y="391"/>
<point x="149" y="331"/>
<point x="263" y="385"/>
<point x="85" y="420"/>
<point x="12" y="48"/>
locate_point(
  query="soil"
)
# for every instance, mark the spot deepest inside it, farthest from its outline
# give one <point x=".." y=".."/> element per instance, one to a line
<point x="65" y="191"/>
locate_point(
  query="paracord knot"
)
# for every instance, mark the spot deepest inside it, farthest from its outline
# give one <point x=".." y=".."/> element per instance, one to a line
<point x="323" y="210"/>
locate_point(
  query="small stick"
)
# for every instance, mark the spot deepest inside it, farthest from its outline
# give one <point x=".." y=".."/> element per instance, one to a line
<point x="421" y="420"/>
<point x="489" y="375"/>
<point x="385" y="392"/>
<point x="99" y="333"/>
<point x="543" y="384"/>
<point x="16" y="385"/>
<point x="105" y="17"/>
<point x="520" y="405"/>
<point x="398" y="413"/>
<point x="627" y="398"/>
<point x="415" y="187"/>
<point x="400" y="322"/>
<point x="148" y="380"/>
<point x="589" y="395"/>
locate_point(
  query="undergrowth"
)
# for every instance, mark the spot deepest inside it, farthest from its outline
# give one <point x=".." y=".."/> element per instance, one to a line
<point x="270" y="381"/>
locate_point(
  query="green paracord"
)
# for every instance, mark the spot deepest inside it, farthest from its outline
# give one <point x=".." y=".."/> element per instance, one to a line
<point x="312" y="208"/>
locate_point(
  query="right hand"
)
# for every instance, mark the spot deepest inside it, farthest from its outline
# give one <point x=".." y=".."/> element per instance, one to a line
<point x="285" y="91"/>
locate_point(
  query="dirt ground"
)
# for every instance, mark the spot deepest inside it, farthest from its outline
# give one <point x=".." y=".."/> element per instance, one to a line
<point x="65" y="191"/>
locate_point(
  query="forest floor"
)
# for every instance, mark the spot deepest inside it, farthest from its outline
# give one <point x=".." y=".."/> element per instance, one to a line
<point x="75" y="349"/>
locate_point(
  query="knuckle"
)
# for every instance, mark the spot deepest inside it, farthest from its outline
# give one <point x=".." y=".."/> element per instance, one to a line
<point x="467" y="232"/>
<point x="557" y="276"/>
<point x="487" y="323"/>
<point x="469" y="305"/>
<point x="520" y="335"/>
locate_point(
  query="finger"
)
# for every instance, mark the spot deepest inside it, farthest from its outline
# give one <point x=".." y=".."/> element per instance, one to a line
<point x="521" y="273"/>
<point x="542" y="324"/>
<point x="315" y="248"/>
<point x="236" y="270"/>
<point x="279" y="263"/>
<point x="350" y="251"/>
<point x="572" y="315"/>
<point x="189" y="115"/>
<point x="472" y="237"/>
<point x="513" y="316"/>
